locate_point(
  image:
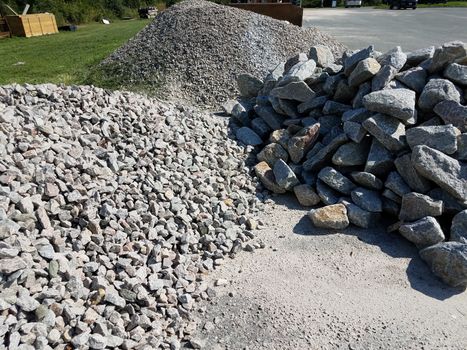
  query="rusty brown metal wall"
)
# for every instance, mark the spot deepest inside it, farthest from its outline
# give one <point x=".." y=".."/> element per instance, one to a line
<point x="286" y="12"/>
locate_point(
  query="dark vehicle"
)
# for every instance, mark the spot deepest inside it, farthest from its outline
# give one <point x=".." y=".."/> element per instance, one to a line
<point x="402" y="4"/>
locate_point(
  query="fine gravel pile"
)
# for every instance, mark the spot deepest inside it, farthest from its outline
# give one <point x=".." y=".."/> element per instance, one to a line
<point x="196" y="49"/>
<point x="113" y="206"/>
<point x="383" y="136"/>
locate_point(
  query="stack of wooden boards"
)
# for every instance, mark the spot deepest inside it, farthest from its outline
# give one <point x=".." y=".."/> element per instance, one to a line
<point x="32" y="25"/>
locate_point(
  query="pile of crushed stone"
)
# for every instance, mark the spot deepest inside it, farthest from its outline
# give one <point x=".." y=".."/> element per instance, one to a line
<point x="196" y="49"/>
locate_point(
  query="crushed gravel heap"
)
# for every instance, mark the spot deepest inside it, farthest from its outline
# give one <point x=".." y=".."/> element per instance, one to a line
<point x="196" y="49"/>
<point x="113" y="207"/>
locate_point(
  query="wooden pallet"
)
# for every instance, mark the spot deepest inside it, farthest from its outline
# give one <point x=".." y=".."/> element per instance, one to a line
<point x="4" y="30"/>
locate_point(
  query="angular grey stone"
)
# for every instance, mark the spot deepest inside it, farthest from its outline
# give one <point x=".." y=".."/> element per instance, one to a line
<point x="271" y="153"/>
<point x="367" y="180"/>
<point x="438" y="90"/>
<point x="364" y="70"/>
<point x="228" y="106"/>
<point x="383" y="77"/>
<point x="289" y="108"/>
<point x="97" y="341"/>
<point x="462" y="147"/>
<point x="276" y="105"/>
<point x="306" y="195"/>
<point x="354" y="131"/>
<point x="248" y="136"/>
<point x="112" y="297"/>
<point x="396" y="184"/>
<point x="443" y="170"/>
<point x="360" y="217"/>
<point x="446" y="54"/>
<point x="416" y="206"/>
<point x="325" y="154"/>
<point x="281" y="137"/>
<point x="331" y="83"/>
<point x="423" y="233"/>
<point x="351" y="154"/>
<point x="390" y="132"/>
<point x="394" y="57"/>
<point x="267" y="113"/>
<point x="302" y="142"/>
<point x="327" y="194"/>
<point x="351" y="61"/>
<point x="285" y="177"/>
<point x="327" y="123"/>
<point x="358" y="115"/>
<point x="367" y="199"/>
<point x="333" y="68"/>
<point x="392" y="196"/>
<point x="311" y="104"/>
<point x="10" y="265"/>
<point x="456" y="73"/>
<point x="390" y="207"/>
<point x="406" y="170"/>
<point x="267" y="178"/>
<point x="331" y="216"/>
<point x="302" y="70"/>
<point x="414" y="78"/>
<point x="459" y="227"/>
<point x="332" y="107"/>
<point x="248" y="85"/>
<point x="344" y="93"/>
<point x="26" y="302"/>
<point x="81" y="340"/>
<point x="363" y="90"/>
<point x="443" y="137"/>
<point x="418" y="56"/>
<point x="260" y="127"/>
<point x="454" y="113"/>
<point x="451" y="205"/>
<point x="298" y="91"/>
<point x="322" y="55"/>
<point x="398" y="103"/>
<point x="292" y="61"/>
<point x="380" y="161"/>
<point x="25" y="205"/>
<point x="336" y="180"/>
<point x="448" y="261"/>
<point x="240" y="113"/>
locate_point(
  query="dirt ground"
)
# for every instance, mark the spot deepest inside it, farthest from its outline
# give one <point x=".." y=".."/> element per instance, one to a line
<point x="316" y="289"/>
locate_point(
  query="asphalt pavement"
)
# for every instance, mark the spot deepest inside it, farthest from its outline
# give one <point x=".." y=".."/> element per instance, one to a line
<point x="411" y="29"/>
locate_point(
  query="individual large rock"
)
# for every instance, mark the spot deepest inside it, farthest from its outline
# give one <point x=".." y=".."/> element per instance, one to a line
<point x="407" y="171"/>
<point x="284" y="176"/>
<point x="322" y="55"/>
<point x="396" y="183"/>
<point x="367" y="199"/>
<point x="302" y="70"/>
<point x="327" y="195"/>
<point x="325" y="154"/>
<point x="454" y="113"/>
<point x="336" y="180"/>
<point x="446" y="54"/>
<point x="416" y="206"/>
<point x="267" y="178"/>
<point x="456" y="73"/>
<point x="383" y="77"/>
<point x="365" y="70"/>
<point x="363" y="90"/>
<point x="10" y="265"/>
<point x="398" y="103"/>
<point x="249" y="85"/>
<point x="302" y="142"/>
<point x="298" y="91"/>
<point x="418" y="56"/>
<point x="462" y="147"/>
<point x="311" y="104"/>
<point x="367" y="180"/>
<point x="380" y="161"/>
<point x="445" y="171"/>
<point x="459" y="227"/>
<point x="269" y="115"/>
<point x="360" y="217"/>
<point x="448" y="261"/>
<point x="442" y="137"/>
<point x="351" y="61"/>
<point x="351" y="154"/>
<point x="437" y="90"/>
<point x="271" y="153"/>
<point x="259" y="126"/>
<point x="294" y="60"/>
<point x="306" y="195"/>
<point x="414" y="78"/>
<point x="451" y="205"/>
<point x="389" y="131"/>
<point x="394" y="57"/>
<point x="248" y="136"/>
<point x="344" y="92"/>
<point x="354" y="131"/>
<point x="331" y="216"/>
<point x="423" y="233"/>
<point x="333" y="107"/>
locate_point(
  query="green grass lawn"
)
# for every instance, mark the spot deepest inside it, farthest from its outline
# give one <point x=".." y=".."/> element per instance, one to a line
<point x="66" y="57"/>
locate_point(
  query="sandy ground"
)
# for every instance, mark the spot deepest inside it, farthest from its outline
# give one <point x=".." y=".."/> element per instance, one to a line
<point x="316" y="289"/>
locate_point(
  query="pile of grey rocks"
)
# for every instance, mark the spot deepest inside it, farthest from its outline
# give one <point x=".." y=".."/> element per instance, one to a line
<point x="113" y="207"/>
<point x="195" y="50"/>
<point x="370" y="136"/>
